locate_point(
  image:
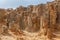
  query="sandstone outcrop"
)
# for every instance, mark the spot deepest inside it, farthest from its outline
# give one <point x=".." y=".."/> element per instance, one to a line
<point x="32" y="21"/>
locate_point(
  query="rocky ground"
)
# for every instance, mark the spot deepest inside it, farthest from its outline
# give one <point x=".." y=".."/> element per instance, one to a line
<point x="26" y="36"/>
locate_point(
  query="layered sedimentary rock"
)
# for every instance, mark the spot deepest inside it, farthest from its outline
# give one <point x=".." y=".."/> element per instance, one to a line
<point x="43" y="19"/>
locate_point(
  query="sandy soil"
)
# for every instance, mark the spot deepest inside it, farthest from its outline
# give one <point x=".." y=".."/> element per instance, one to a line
<point x="26" y="36"/>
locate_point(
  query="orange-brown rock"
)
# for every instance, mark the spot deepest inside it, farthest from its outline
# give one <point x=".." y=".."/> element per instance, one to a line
<point x="42" y="18"/>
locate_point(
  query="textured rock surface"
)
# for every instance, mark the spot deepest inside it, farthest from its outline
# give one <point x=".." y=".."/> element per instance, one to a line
<point x="35" y="22"/>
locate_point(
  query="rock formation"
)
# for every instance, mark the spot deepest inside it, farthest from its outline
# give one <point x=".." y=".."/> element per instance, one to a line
<point x="43" y="19"/>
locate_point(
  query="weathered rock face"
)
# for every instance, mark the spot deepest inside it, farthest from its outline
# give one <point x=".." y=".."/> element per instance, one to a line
<point x="3" y="20"/>
<point x="33" y="18"/>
